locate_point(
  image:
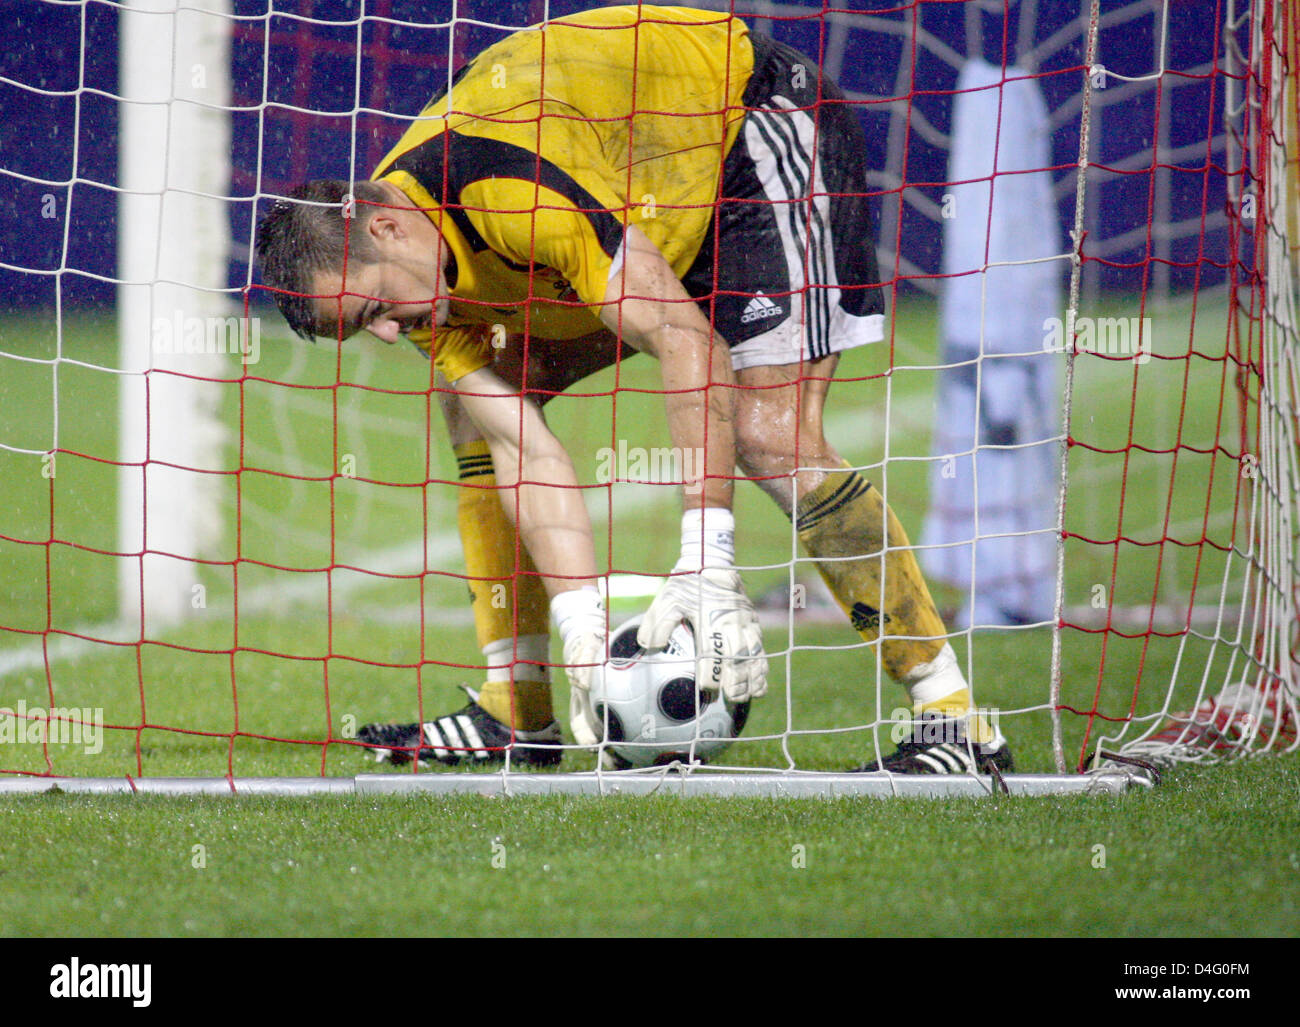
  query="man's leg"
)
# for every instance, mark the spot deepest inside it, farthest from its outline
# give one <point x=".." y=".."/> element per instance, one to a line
<point x="861" y="549"/>
<point x="510" y="609"/>
<point x="509" y="602"/>
<point x="796" y="282"/>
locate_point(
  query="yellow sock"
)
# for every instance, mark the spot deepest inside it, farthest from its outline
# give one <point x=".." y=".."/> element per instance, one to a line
<point x="510" y="609"/>
<point x="958" y="704"/>
<point x="843" y="525"/>
<point x="511" y="693"/>
<point x="954" y="704"/>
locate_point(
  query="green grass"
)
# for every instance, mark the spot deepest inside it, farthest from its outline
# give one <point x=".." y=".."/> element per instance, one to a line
<point x="317" y="649"/>
<point x="1178" y="862"/>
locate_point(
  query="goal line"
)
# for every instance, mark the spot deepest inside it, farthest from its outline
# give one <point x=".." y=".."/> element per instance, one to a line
<point x="662" y="781"/>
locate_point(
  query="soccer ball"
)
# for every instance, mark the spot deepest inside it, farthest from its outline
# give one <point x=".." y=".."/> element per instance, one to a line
<point x="651" y="709"/>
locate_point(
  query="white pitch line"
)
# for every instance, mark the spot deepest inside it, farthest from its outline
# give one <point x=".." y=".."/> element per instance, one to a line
<point x="403" y="559"/>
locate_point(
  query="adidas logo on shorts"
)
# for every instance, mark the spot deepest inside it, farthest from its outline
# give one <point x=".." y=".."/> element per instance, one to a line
<point x="759" y="309"/>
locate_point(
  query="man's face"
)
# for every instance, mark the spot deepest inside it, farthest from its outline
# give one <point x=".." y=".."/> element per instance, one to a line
<point x="405" y="289"/>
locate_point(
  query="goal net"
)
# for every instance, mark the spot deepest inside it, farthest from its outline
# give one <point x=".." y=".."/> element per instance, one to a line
<point x="226" y="549"/>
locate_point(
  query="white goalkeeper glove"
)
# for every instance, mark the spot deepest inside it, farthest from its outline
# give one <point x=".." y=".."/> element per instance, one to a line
<point x="706" y="592"/>
<point x="579" y="616"/>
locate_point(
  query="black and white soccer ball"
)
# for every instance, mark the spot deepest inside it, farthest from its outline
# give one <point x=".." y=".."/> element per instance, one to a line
<point x="650" y="708"/>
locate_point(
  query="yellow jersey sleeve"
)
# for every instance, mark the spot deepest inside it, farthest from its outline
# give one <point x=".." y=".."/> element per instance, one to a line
<point x="456" y="351"/>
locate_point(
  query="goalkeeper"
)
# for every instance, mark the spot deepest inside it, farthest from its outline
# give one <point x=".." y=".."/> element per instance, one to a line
<point x="657" y="177"/>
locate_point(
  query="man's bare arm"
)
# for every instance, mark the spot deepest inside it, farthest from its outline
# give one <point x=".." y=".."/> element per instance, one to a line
<point x="551" y="517"/>
<point x="646" y="306"/>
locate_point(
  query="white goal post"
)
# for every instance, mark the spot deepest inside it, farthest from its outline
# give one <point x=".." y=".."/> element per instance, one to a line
<point x="174" y="308"/>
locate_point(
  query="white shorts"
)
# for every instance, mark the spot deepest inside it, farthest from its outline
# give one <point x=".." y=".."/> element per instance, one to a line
<point x="787" y="273"/>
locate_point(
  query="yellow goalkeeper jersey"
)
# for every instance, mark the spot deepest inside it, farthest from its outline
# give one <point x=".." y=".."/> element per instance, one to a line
<point x="549" y="142"/>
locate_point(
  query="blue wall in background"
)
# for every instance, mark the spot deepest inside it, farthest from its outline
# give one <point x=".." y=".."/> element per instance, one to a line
<point x="48" y="166"/>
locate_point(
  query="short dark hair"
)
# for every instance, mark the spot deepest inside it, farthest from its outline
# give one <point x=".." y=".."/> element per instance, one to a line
<point x="305" y="234"/>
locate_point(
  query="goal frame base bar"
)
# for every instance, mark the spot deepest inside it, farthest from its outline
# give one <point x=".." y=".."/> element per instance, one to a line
<point x="659" y="782"/>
